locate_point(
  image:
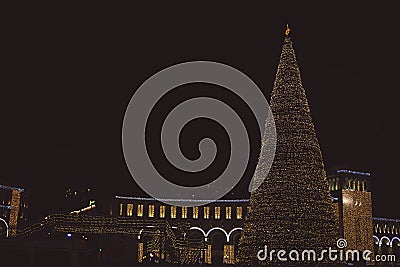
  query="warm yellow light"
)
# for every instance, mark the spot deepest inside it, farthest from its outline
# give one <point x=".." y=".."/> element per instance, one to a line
<point x="287" y="30"/>
<point x="140" y="252"/>
<point x="162" y="211"/>
<point x="140" y="210"/>
<point x="173" y="212"/>
<point x="206" y="212"/>
<point x="239" y="212"/>
<point x="184" y="212"/>
<point x="121" y="209"/>
<point x="228" y="212"/>
<point x="151" y="211"/>
<point x="195" y="212"/>
<point x="129" y="210"/>
<point x="347" y="201"/>
<point x="217" y="213"/>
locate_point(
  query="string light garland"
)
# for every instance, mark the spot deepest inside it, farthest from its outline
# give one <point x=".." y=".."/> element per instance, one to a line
<point x="180" y="200"/>
<point x="85" y="224"/>
<point x="386" y="219"/>
<point x="12" y="188"/>
<point x="15" y="204"/>
<point x="292" y="209"/>
<point x="354" y="172"/>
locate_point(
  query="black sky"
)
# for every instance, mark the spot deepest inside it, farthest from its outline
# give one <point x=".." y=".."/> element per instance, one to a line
<point x="69" y="72"/>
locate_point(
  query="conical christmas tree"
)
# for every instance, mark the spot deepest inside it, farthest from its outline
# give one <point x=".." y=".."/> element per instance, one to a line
<point x="292" y="209"/>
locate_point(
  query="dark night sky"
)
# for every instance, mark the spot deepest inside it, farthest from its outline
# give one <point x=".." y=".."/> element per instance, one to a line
<point x="69" y="72"/>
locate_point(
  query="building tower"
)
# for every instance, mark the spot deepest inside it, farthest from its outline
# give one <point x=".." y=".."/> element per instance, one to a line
<point x="353" y="204"/>
<point x="13" y="209"/>
<point x="292" y="209"/>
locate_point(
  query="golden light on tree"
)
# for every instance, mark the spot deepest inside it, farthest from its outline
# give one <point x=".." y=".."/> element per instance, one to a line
<point x="292" y="209"/>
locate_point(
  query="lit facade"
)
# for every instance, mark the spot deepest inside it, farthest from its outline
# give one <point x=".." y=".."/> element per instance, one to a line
<point x="352" y="197"/>
<point x="213" y="229"/>
<point x="219" y="225"/>
<point x="13" y="209"/>
<point x="209" y="234"/>
<point x="353" y="201"/>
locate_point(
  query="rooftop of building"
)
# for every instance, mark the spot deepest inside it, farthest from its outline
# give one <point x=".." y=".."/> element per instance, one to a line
<point x="7" y="187"/>
<point x="181" y="200"/>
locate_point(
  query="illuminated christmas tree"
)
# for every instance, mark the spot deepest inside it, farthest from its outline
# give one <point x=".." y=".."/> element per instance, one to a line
<point x="292" y="209"/>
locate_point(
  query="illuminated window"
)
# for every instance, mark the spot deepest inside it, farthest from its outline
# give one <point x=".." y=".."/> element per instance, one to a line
<point x="151" y="211"/>
<point x="217" y="212"/>
<point x="129" y="209"/>
<point x="162" y="211"/>
<point x="195" y="212"/>
<point x="239" y="213"/>
<point x="121" y="209"/>
<point x="184" y="212"/>
<point x="140" y="210"/>
<point x="206" y="212"/>
<point x="173" y="212"/>
<point x="228" y="212"/>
